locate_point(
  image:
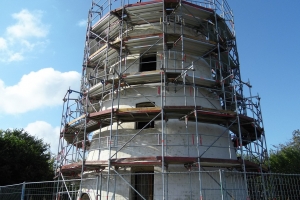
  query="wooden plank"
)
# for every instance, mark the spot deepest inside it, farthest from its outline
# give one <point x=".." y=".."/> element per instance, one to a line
<point x="75" y="120"/>
<point x="139" y="110"/>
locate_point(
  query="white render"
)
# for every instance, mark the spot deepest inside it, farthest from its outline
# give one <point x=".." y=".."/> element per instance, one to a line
<point x="172" y="65"/>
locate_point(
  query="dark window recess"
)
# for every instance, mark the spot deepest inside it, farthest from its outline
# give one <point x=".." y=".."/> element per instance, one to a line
<point x="148" y="63"/>
<point x="141" y="124"/>
<point x="85" y="197"/>
<point x="143" y="183"/>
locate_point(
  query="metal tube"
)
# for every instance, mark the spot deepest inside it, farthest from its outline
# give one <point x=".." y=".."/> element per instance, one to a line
<point x="162" y="138"/>
<point x="60" y="144"/>
<point x="97" y="186"/>
<point x="197" y="135"/>
<point x="68" y="189"/>
<point x="84" y="149"/>
<point x="264" y="136"/>
<point x="241" y="143"/>
<point x="120" y="57"/>
<point x="101" y="176"/>
<point x="140" y="56"/>
<point x="221" y="184"/>
<point x="141" y="196"/>
<point x="112" y="105"/>
<point x="23" y="191"/>
<point x="218" y="138"/>
<point x="182" y="51"/>
<point x="135" y="135"/>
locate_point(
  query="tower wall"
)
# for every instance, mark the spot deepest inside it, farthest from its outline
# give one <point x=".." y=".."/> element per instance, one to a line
<point x="163" y="115"/>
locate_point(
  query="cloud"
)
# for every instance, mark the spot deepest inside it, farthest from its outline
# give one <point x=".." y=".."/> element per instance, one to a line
<point x="3" y="44"/>
<point x="82" y="23"/>
<point x="28" y="25"/>
<point x="15" y="57"/>
<point x="35" y="90"/>
<point x="28" y="33"/>
<point x="45" y="131"/>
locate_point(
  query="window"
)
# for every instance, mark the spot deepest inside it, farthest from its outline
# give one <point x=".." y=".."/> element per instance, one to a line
<point x="142" y="181"/>
<point x="148" y="63"/>
<point x="85" y="197"/>
<point x="140" y="125"/>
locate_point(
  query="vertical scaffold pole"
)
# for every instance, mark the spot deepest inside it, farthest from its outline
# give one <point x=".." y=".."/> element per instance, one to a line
<point x="219" y="62"/>
<point x="264" y="143"/>
<point x="120" y="54"/>
<point x="61" y="141"/>
<point x="82" y="89"/>
<point x="63" y="122"/>
<point x="240" y="142"/>
<point x="182" y="52"/>
<point x="97" y="186"/>
<point x="84" y="143"/>
<point x="112" y="100"/>
<point x="197" y="136"/>
<point x="221" y="183"/>
<point x="163" y="87"/>
<point x="23" y="191"/>
<point x="257" y="139"/>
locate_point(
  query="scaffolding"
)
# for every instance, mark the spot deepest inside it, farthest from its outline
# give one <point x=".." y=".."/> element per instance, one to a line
<point x="147" y="66"/>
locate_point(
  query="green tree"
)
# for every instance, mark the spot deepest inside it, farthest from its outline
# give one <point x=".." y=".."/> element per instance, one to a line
<point x="23" y="158"/>
<point x="286" y="157"/>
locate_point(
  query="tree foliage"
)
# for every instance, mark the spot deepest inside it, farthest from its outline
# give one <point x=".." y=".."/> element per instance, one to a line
<point x="286" y="157"/>
<point x="23" y="158"/>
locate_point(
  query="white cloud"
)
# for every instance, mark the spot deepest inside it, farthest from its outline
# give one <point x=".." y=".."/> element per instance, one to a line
<point x="27" y="34"/>
<point x="44" y="130"/>
<point x="35" y="90"/>
<point x="15" y="57"/>
<point x="28" y="25"/>
<point x="82" y="23"/>
<point x="3" y="44"/>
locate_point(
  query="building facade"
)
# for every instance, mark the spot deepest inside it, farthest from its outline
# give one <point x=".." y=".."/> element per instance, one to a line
<point x="161" y="105"/>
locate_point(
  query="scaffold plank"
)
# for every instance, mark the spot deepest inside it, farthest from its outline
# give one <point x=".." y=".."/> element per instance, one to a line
<point x="74" y="168"/>
<point x="249" y="130"/>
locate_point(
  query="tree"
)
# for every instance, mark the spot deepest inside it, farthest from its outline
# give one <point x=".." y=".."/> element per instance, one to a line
<point x="23" y="158"/>
<point x="286" y="157"/>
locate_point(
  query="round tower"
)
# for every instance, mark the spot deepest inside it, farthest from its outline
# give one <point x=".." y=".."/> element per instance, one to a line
<point x="161" y="112"/>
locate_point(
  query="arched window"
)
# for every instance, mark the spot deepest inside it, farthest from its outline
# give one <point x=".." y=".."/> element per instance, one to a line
<point x="85" y="197"/>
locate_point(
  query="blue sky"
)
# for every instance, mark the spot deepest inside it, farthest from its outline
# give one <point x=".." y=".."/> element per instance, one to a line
<point x="41" y="52"/>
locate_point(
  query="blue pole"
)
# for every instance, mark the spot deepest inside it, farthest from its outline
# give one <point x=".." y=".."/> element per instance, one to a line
<point x="23" y="191"/>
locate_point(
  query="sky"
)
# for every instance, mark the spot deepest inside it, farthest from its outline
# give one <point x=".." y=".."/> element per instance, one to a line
<point x="41" y="53"/>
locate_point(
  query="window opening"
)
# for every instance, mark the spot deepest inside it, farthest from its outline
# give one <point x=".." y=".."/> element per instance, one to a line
<point x="143" y="183"/>
<point x="140" y="125"/>
<point x="148" y="63"/>
<point x="85" y="197"/>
